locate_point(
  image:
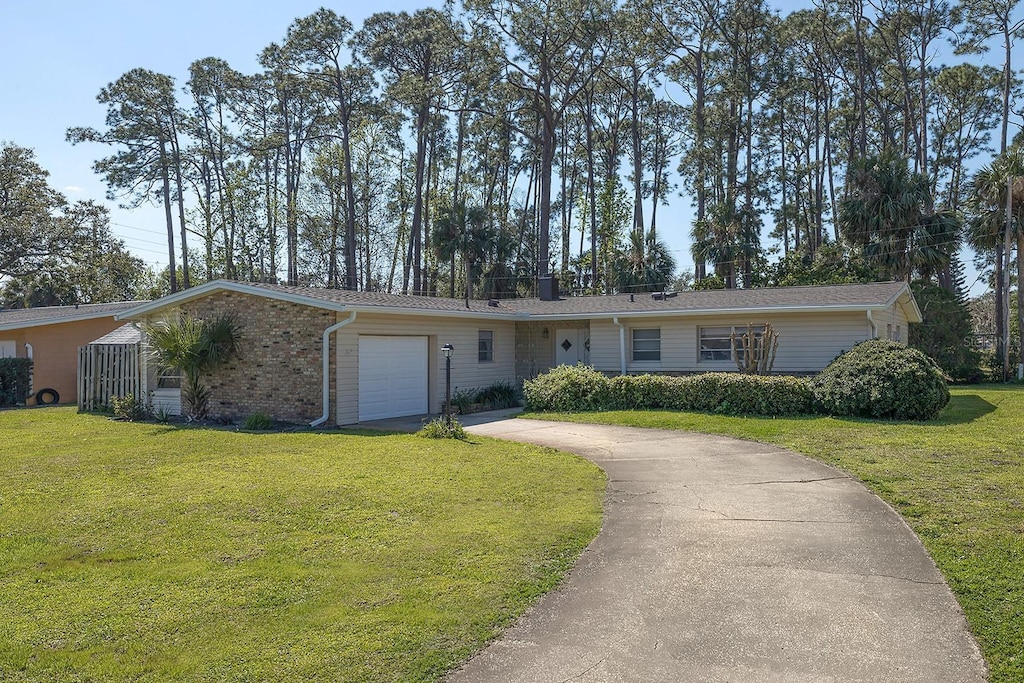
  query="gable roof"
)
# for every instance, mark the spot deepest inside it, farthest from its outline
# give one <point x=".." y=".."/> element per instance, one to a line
<point x="126" y="334"/>
<point x="839" y="298"/>
<point x="17" y="318"/>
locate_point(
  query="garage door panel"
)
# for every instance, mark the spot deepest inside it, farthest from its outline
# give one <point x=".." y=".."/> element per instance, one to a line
<point x="392" y="377"/>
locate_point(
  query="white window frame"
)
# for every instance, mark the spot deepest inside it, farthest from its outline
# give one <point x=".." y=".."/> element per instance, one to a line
<point x="168" y="378"/>
<point x="649" y="344"/>
<point x="10" y="344"/>
<point x="722" y="354"/>
<point x="485" y="346"/>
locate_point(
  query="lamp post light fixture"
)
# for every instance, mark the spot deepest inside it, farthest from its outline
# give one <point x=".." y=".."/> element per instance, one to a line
<point x="447" y="350"/>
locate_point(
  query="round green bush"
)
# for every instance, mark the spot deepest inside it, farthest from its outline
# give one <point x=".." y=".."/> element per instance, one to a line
<point x="568" y="389"/>
<point x="882" y="379"/>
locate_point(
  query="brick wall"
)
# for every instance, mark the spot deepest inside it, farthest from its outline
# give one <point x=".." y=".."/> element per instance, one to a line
<point x="278" y="371"/>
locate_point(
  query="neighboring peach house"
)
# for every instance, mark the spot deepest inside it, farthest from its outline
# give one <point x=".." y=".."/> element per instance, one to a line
<point x="384" y="351"/>
<point x="50" y="336"/>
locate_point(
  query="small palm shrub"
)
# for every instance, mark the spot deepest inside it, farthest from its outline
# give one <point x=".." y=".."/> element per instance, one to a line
<point x="195" y="347"/>
<point x="440" y="428"/>
<point x="882" y="379"/>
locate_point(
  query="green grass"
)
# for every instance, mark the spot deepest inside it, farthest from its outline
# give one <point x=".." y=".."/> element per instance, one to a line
<point x="958" y="481"/>
<point x="139" y="552"/>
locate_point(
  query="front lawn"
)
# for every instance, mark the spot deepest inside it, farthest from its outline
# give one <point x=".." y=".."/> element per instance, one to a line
<point x="958" y="481"/>
<point x="140" y="552"/>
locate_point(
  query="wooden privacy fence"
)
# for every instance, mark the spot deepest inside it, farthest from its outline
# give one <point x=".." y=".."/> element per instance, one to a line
<point x="107" y="370"/>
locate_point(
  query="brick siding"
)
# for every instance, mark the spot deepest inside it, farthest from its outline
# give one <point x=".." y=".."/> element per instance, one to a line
<point x="278" y="371"/>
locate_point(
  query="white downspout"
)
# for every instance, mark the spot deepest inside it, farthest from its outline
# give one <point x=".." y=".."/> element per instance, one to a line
<point x="874" y="327"/>
<point x="327" y="368"/>
<point x="622" y="345"/>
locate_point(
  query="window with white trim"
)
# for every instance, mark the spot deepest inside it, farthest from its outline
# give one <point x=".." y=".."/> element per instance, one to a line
<point x="646" y="344"/>
<point x="716" y="342"/>
<point x="485" y="346"/>
<point x="168" y="378"/>
<point x="8" y="349"/>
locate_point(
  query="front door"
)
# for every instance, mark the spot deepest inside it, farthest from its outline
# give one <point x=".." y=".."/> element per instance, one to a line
<point x="572" y="346"/>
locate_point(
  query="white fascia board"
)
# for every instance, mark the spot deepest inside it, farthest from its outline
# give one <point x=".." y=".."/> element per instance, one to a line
<point x="244" y="288"/>
<point x="439" y="313"/>
<point x="39" y="322"/>
<point x="905" y="299"/>
<point x="226" y="286"/>
<point x="836" y="308"/>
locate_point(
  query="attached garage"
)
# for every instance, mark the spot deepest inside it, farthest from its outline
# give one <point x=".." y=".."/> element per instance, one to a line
<point x="393" y="377"/>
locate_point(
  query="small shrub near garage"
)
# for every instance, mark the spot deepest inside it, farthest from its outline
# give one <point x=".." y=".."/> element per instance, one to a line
<point x="441" y="428"/>
<point x="14" y="380"/>
<point x="882" y="379"/>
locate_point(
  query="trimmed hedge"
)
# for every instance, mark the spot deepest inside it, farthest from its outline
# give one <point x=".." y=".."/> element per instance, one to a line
<point x="882" y="379"/>
<point x="580" y="388"/>
<point x="14" y="380"/>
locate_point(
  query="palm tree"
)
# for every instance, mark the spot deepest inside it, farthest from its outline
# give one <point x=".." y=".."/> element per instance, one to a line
<point x="461" y="229"/>
<point x="194" y="347"/>
<point x="888" y="213"/>
<point x="644" y="265"/>
<point x="991" y="230"/>
<point x="729" y="239"/>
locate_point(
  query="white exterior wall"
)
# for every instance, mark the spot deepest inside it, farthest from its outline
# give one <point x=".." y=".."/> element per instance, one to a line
<point x="892" y="316"/>
<point x="807" y="343"/>
<point x="467" y="371"/>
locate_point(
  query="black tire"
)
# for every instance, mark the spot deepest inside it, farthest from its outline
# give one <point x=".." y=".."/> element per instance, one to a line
<point x="47" y="397"/>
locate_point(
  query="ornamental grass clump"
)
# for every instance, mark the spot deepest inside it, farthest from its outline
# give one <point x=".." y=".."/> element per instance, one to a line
<point x="882" y="379"/>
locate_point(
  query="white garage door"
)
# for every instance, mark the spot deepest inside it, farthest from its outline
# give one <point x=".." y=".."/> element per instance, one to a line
<point x="392" y="377"/>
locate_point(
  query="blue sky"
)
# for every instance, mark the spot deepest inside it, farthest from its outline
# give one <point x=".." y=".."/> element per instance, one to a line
<point x="57" y="56"/>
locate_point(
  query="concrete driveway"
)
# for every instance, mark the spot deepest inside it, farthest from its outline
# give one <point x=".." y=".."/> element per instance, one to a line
<point x="727" y="560"/>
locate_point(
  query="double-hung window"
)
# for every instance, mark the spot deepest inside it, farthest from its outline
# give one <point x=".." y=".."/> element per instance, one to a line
<point x="485" y="346"/>
<point x="716" y="343"/>
<point x="646" y="344"/>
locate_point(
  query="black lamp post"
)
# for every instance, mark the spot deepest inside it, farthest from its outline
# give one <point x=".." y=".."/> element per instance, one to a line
<point x="447" y="351"/>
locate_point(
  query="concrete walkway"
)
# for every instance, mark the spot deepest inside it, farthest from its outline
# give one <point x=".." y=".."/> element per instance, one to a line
<point x="728" y="560"/>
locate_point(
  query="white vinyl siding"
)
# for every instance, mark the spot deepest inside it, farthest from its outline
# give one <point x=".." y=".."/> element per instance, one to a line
<point x="807" y="343"/>
<point x="462" y="334"/>
<point x="646" y="345"/>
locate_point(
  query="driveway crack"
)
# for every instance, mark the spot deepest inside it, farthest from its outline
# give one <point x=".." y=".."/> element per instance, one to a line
<point x="792" y="481"/>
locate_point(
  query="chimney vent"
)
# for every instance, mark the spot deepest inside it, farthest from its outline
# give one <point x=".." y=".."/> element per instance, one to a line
<point x="547" y="288"/>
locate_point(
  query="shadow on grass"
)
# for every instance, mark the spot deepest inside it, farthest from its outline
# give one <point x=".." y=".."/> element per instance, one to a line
<point x="964" y="408"/>
<point x="961" y="409"/>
